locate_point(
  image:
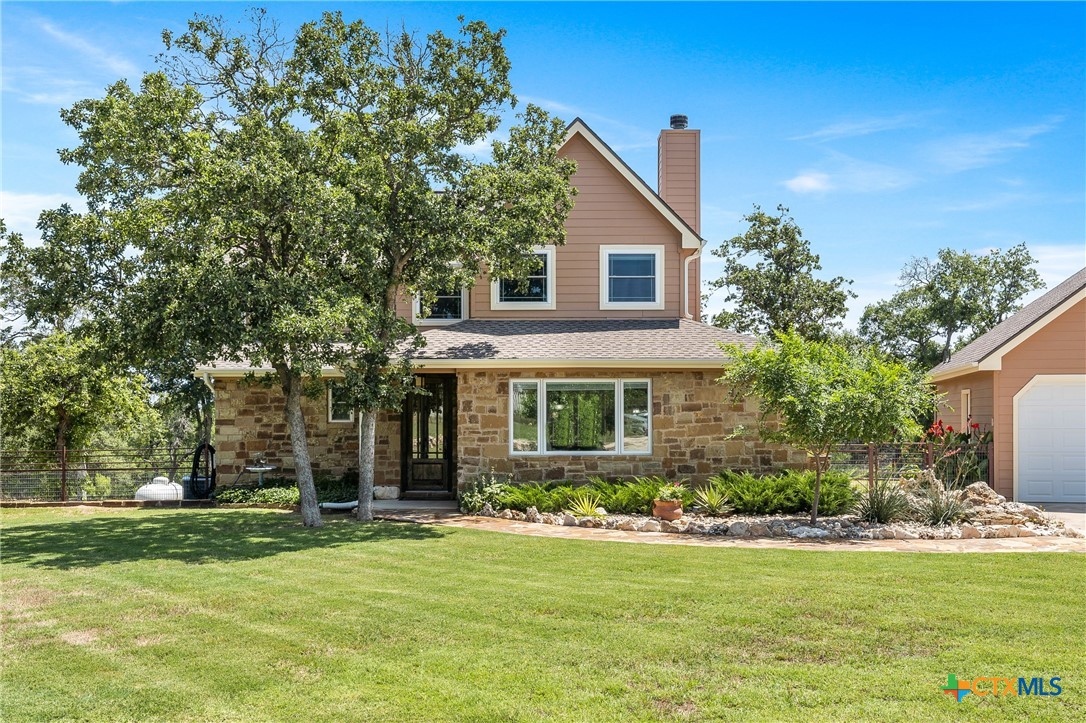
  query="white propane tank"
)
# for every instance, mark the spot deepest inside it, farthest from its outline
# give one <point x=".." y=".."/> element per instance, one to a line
<point x="160" y="489"/>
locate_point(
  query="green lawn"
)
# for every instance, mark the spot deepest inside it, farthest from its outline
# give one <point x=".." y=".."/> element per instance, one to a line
<point x="244" y="615"/>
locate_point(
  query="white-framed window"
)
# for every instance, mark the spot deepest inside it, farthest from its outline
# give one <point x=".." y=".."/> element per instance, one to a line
<point x="340" y="409"/>
<point x="966" y="408"/>
<point x="536" y="291"/>
<point x="580" y="416"/>
<point x="632" y="277"/>
<point x="450" y="306"/>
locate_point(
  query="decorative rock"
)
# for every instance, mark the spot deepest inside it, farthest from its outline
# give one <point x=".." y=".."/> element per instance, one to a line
<point x="588" y="522"/>
<point x="518" y="515"/>
<point x="979" y="493"/>
<point x="386" y="492"/>
<point x="569" y="520"/>
<point x="628" y="525"/>
<point x="806" y="533"/>
<point x="1008" y="531"/>
<point x="487" y="511"/>
<point x="601" y="511"/>
<point x="1072" y="532"/>
<point x="1026" y="532"/>
<point x="759" y="529"/>
<point x="673" y="525"/>
<point x="532" y="515"/>
<point x="738" y="529"/>
<point x="970" y="533"/>
<point x="506" y="514"/>
<point x="649" y="526"/>
<point x="900" y="534"/>
<point x="548" y="519"/>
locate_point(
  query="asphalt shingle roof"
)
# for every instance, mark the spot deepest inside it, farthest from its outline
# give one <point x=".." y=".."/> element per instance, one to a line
<point x="576" y="339"/>
<point x="986" y="344"/>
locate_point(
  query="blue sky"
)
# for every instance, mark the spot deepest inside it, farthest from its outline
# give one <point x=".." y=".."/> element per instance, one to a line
<point x="889" y="130"/>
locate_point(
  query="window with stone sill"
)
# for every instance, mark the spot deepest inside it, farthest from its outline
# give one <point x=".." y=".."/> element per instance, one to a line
<point x="580" y="417"/>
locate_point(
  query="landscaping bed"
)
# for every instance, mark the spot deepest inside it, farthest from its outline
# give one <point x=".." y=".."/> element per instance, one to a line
<point x="977" y="512"/>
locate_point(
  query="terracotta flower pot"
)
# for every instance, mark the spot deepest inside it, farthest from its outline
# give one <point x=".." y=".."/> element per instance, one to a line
<point x="667" y="509"/>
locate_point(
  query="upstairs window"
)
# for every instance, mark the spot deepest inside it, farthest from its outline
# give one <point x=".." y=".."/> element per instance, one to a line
<point x="535" y="291"/>
<point x="450" y="306"/>
<point x="631" y="277"/>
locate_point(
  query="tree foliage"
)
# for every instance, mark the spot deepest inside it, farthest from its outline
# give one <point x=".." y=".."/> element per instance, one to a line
<point x="56" y="392"/>
<point x="948" y="301"/>
<point x="274" y="195"/>
<point x="814" y="395"/>
<point x="769" y="277"/>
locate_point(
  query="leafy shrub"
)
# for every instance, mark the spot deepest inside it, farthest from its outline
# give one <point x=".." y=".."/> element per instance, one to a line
<point x="544" y="496"/>
<point x="633" y="497"/>
<point x="789" y="492"/>
<point x="97" y="485"/>
<point x="883" y="502"/>
<point x="258" y="495"/>
<point x="711" y="500"/>
<point x="940" y="507"/>
<point x="484" y="489"/>
<point x="583" y="503"/>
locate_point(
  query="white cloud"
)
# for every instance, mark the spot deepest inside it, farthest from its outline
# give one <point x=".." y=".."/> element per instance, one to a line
<point x="809" y="182"/>
<point x="621" y="136"/>
<point x="858" y="127"/>
<point x="976" y="150"/>
<point x="20" y="210"/>
<point x="92" y="53"/>
<point x="1055" y="262"/>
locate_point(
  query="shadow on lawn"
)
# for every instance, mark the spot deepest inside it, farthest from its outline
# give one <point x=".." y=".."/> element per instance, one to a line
<point x="187" y="536"/>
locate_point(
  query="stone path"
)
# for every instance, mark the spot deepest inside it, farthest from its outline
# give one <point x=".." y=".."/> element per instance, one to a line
<point x="490" y="524"/>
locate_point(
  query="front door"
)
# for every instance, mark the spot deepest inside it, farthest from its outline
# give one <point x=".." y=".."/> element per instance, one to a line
<point x="429" y="439"/>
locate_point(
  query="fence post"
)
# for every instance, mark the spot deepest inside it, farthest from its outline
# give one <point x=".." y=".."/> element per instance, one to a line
<point x="929" y="456"/>
<point x="991" y="465"/>
<point x="63" y="474"/>
<point x="870" y="465"/>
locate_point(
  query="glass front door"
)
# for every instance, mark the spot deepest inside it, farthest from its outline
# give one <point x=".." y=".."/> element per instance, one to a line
<point x="429" y="425"/>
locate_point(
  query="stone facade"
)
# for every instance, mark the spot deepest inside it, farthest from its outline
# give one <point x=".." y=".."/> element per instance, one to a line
<point x="250" y="424"/>
<point x="691" y="417"/>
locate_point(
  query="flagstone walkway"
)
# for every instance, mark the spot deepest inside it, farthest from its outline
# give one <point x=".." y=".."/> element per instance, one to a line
<point x="490" y="524"/>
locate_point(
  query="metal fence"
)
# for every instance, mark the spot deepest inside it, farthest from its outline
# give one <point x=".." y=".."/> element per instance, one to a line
<point x="62" y="475"/>
<point x="956" y="465"/>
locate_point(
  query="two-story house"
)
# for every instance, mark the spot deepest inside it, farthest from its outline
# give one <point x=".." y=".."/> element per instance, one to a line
<point x="599" y="364"/>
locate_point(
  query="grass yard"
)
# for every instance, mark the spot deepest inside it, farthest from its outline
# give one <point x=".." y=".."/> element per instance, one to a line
<point x="244" y="615"/>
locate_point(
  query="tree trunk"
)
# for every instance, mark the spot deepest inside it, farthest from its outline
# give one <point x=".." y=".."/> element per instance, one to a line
<point x="367" y="428"/>
<point x="299" y="444"/>
<point x="817" y="489"/>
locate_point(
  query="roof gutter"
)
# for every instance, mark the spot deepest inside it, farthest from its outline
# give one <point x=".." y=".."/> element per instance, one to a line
<point x="955" y="372"/>
<point x="686" y="280"/>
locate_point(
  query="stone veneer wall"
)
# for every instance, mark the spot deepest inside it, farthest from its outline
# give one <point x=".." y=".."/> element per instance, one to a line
<point x="691" y="416"/>
<point x="249" y="423"/>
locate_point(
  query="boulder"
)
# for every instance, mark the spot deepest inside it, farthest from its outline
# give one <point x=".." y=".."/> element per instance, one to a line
<point x="532" y="515"/>
<point x="386" y="492"/>
<point x="1007" y="531"/>
<point x="650" y="525"/>
<point x="738" y="529"/>
<point x="759" y="529"/>
<point x="629" y="525"/>
<point x="569" y="520"/>
<point x="487" y="511"/>
<point x="900" y="534"/>
<point x="1026" y="532"/>
<point x="979" y="493"/>
<point x="506" y="514"/>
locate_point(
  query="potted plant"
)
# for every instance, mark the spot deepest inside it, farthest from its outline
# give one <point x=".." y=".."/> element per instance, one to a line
<point x="668" y="504"/>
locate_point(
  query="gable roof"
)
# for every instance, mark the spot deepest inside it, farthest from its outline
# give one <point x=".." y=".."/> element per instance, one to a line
<point x="985" y="353"/>
<point x="690" y="238"/>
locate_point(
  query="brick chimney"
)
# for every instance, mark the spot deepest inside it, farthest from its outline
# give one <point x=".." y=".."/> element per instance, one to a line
<point x="679" y="176"/>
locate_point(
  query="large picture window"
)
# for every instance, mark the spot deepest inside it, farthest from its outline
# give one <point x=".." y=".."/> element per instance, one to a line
<point x="535" y="291"/>
<point x="572" y="417"/>
<point x="632" y="277"/>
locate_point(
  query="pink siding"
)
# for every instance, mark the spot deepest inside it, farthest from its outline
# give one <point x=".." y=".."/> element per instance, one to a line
<point x="1058" y="348"/>
<point x="608" y="210"/>
<point x="680" y="173"/>
<point x="980" y="386"/>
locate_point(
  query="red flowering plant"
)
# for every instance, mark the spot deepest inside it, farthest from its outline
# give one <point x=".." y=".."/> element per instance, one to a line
<point x="957" y="457"/>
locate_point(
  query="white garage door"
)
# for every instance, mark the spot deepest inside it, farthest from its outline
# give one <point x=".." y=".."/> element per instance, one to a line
<point x="1051" y="427"/>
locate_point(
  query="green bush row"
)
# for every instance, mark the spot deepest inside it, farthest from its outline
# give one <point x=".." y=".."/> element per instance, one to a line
<point x="284" y="490"/>
<point x="788" y="492"/>
<point x="258" y="495"/>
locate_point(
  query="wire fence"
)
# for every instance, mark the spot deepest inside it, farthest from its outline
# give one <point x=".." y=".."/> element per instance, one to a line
<point x="956" y="465"/>
<point x="62" y="475"/>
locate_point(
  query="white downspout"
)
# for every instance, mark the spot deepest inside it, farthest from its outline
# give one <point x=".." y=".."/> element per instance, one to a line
<point x="686" y="281"/>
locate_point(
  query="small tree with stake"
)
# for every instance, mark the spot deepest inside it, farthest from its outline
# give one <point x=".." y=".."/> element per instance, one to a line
<point x="815" y="395"/>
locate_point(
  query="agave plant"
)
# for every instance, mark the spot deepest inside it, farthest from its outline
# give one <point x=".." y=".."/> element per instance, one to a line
<point x="584" y="504"/>
<point x="711" y="500"/>
<point x="942" y="507"/>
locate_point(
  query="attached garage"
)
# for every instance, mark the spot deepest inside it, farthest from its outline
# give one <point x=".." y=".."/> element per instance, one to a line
<point x="1050" y="439"/>
<point x="1026" y="381"/>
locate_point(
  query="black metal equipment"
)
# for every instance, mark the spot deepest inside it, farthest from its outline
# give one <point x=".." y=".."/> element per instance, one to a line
<point x="201" y="482"/>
